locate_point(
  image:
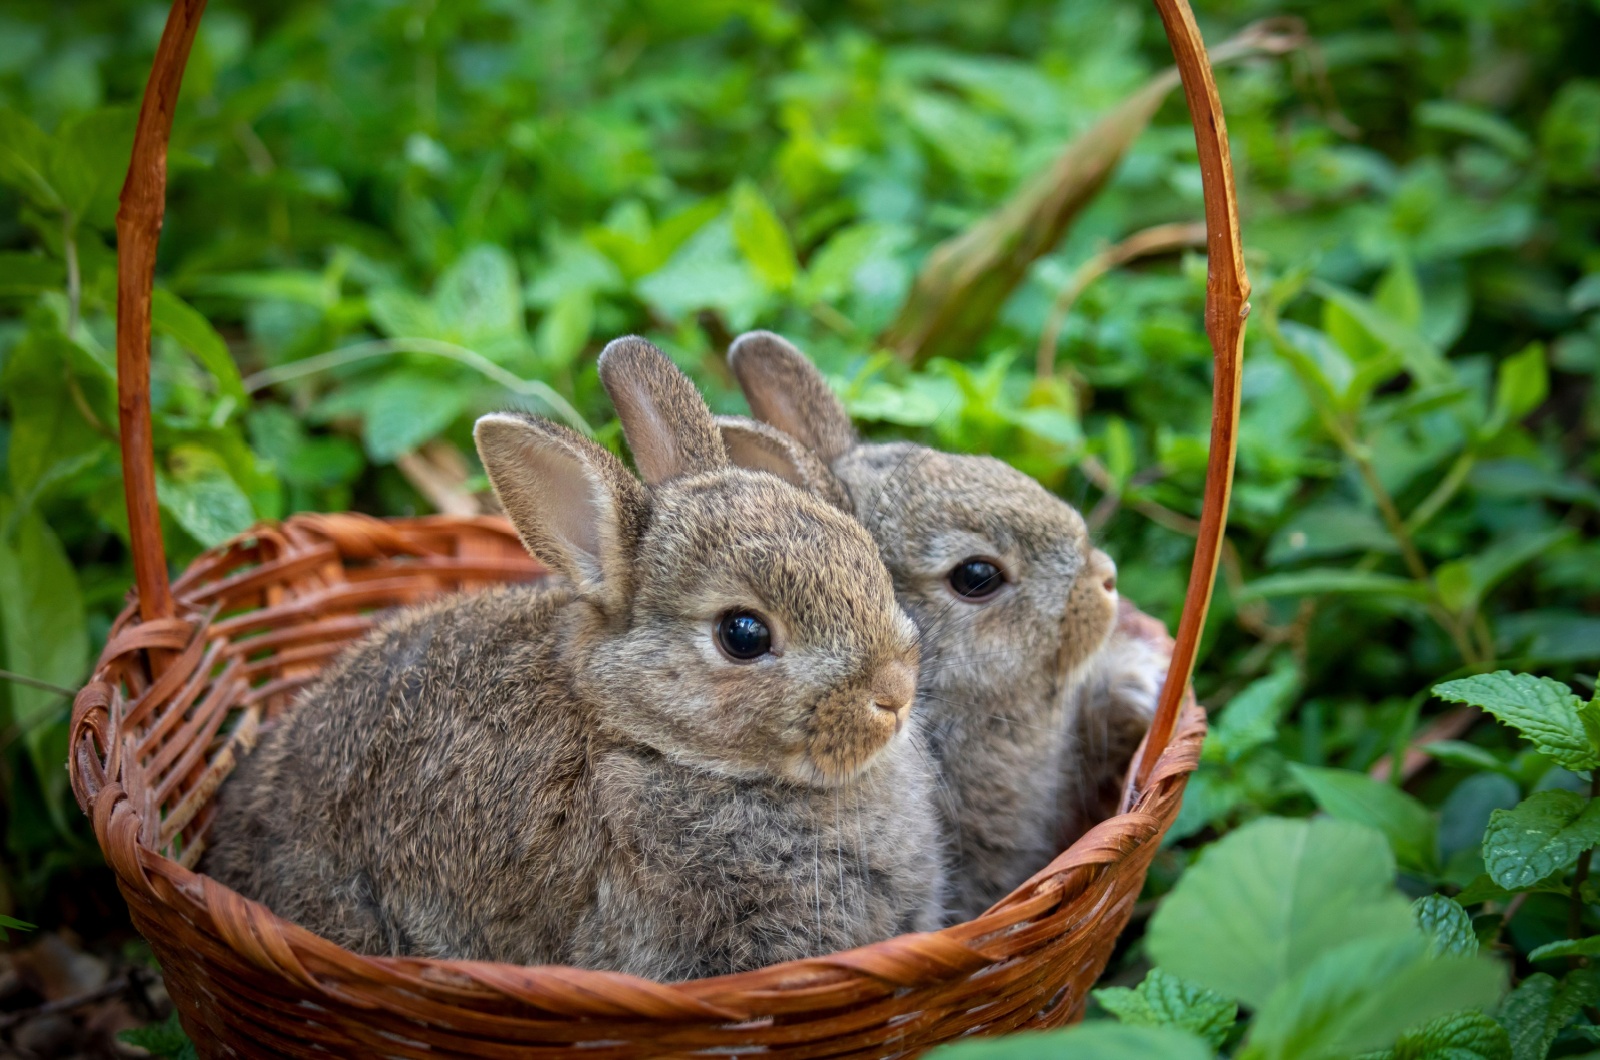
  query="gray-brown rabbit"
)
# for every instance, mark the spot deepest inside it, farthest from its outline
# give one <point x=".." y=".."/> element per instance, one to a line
<point x="1033" y="707"/>
<point x="689" y="756"/>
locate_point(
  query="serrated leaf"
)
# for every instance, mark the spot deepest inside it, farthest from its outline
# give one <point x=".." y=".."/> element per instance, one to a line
<point x="1540" y="1007"/>
<point x="1264" y="901"/>
<point x="1543" y="710"/>
<point x="1164" y="1000"/>
<point x="1406" y="823"/>
<point x="197" y="489"/>
<point x="479" y="298"/>
<point x="1544" y="834"/>
<point x="1456" y="1036"/>
<point x="1088" y="1041"/>
<point x="172" y="316"/>
<point x="762" y="239"/>
<point x="405" y="410"/>
<point x="1447" y="925"/>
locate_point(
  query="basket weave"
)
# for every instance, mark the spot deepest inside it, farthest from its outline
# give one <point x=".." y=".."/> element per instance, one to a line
<point x="193" y="667"/>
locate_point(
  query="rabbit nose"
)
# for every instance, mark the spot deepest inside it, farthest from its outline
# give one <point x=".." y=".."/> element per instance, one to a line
<point x="1104" y="569"/>
<point x="893" y="688"/>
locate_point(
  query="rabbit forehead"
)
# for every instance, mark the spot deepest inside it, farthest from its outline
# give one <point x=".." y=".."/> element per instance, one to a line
<point x="926" y="506"/>
<point x="747" y="536"/>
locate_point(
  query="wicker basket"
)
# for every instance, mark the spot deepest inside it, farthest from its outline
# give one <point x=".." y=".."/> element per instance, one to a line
<point x="193" y="667"/>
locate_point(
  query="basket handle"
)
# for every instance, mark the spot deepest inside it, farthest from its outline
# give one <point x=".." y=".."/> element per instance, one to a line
<point x="1227" y="288"/>
<point x="143" y="205"/>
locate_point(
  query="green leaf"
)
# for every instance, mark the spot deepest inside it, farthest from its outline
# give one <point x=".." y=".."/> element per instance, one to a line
<point x="1587" y="947"/>
<point x="1320" y="581"/>
<point x="1456" y="1036"/>
<point x="8" y="923"/>
<point x="1446" y="924"/>
<point x="400" y="314"/>
<point x="1088" y="1041"/>
<point x="25" y="159"/>
<point x="22" y="273"/>
<point x="1540" y="1007"/>
<point x="405" y="410"/>
<point x="762" y="239"/>
<point x="171" y="315"/>
<point x="565" y="328"/>
<point x="1421" y="358"/>
<point x="1362" y="995"/>
<point x="1406" y="823"/>
<point x="89" y="159"/>
<point x="1522" y="382"/>
<point x="1329" y="530"/>
<point x="1544" y="710"/>
<point x="1164" y="1000"/>
<point x="1464" y="118"/>
<point x="1463" y="755"/>
<point x="1543" y="834"/>
<point x="1250" y="719"/>
<point x="1265" y="900"/>
<point x="50" y="439"/>
<point x="479" y="298"/>
<point x="165" y="1040"/>
<point x="197" y="489"/>
<point x="1399" y="294"/>
<point x="44" y="634"/>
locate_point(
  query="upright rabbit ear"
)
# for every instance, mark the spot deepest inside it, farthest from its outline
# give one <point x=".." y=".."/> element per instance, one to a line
<point x="575" y="506"/>
<point x="785" y="389"/>
<point x="762" y="447"/>
<point x="666" y="421"/>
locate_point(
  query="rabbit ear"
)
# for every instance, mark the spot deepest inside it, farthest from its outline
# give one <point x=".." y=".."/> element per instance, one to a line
<point x="664" y="418"/>
<point x="575" y="506"/>
<point x="785" y="389"/>
<point x="762" y="447"/>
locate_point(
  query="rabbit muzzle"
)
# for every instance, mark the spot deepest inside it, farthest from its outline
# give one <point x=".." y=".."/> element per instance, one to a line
<point x="853" y="724"/>
<point x="1091" y="611"/>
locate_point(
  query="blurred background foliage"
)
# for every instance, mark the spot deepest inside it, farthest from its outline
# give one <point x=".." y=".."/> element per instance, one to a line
<point x="389" y="216"/>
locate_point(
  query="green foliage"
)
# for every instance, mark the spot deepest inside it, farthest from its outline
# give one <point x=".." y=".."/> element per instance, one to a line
<point x="387" y="218"/>
<point x="164" y="1040"/>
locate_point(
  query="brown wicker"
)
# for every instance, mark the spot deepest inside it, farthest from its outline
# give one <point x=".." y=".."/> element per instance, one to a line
<point x="193" y="668"/>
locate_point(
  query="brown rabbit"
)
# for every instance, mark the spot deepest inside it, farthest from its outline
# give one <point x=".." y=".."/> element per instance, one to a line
<point x="1033" y="707"/>
<point x="692" y="755"/>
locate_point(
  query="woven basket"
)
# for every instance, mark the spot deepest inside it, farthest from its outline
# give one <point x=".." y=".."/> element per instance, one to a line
<point x="193" y="667"/>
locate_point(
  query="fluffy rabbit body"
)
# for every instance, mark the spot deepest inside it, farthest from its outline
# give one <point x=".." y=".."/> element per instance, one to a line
<point x="586" y="772"/>
<point x="1032" y="704"/>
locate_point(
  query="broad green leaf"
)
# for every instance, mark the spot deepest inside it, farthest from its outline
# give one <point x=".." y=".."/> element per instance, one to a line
<point x="761" y="237"/>
<point x="565" y="328"/>
<point x="1588" y="947"/>
<point x="89" y="159"/>
<point x="1320" y="581"/>
<point x="1350" y="796"/>
<point x="1457" y="1036"/>
<point x="1164" y="1000"/>
<point x="1540" y="1007"/>
<point x="197" y="489"/>
<point x="1265" y="900"/>
<point x="1329" y="530"/>
<point x="1543" y="834"/>
<point x="164" y="1040"/>
<point x="478" y="300"/>
<point x="1087" y="1041"/>
<point x="1250" y="718"/>
<point x="1522" y="382"/>
<point x="22" y="273"/>
<point x="405" y="410"/>
<point x="1491" y="565"/>
<point x="1447" y="925"/>
<point x="49" y="436"/>
<point x="707" y="272"/>
<point x="1421" y="358"/>
<point x="44" y="633"/>
<point x="171" y="315"/>
<point x="400" y="314"/>
<point x="25" y="159"/>
<point x="1464" y="118"/>
<point x="1543" y="710"/>
<point x="1399" y="294"/>
<point x="1462" y="754"/>
<point x="1569" y="132"/>
<point x="1363" y="994"/>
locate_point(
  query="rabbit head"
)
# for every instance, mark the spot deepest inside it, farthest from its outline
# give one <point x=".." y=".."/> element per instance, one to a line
<point x="725" y="618"/>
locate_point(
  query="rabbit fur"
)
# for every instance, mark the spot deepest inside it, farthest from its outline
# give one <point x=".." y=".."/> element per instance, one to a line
<point x="1035" y="700"/>
<point x="572" y="772"/>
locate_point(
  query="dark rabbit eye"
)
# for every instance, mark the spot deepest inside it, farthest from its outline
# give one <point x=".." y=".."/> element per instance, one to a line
<point x="976" y="579"/>
<point x="742" y="636"/>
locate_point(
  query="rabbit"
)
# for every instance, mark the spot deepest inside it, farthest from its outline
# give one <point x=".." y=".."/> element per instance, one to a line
<point x="1037" y="694"/>
<point x="690" y="754"/>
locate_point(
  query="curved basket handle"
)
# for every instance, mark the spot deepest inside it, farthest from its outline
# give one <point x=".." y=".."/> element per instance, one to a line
<point x="1227" y="287"/>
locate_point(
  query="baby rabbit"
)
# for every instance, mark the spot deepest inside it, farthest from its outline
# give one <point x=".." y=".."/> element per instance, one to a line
<point x="1014" y="606"/>
<point x="690" y="755"/>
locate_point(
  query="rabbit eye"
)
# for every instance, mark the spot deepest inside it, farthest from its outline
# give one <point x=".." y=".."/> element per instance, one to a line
<point x="743" y="636"/>
<point x="975" y="578"/>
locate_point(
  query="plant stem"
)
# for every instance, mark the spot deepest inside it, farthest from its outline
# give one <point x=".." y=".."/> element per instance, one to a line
<point x="1576" y="904"/>
<point x="34" y="682"/>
